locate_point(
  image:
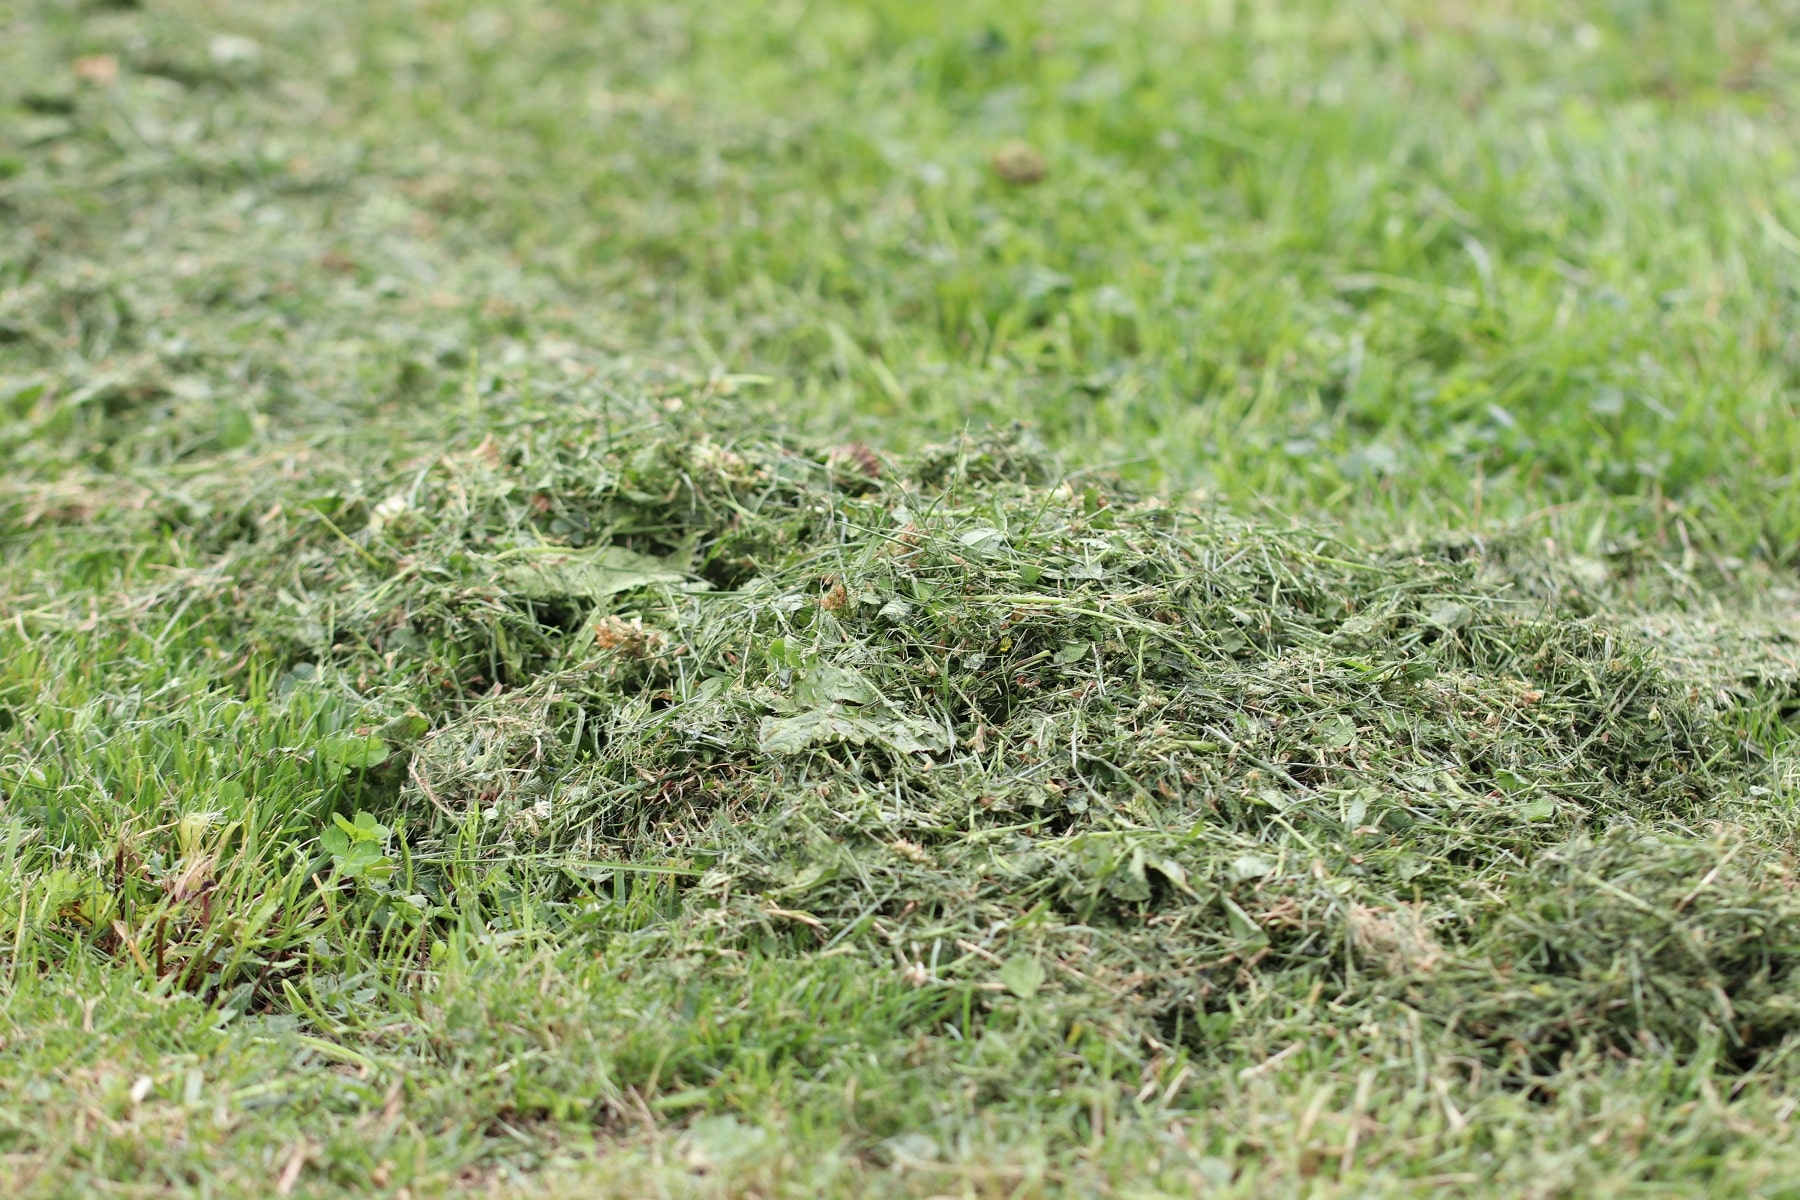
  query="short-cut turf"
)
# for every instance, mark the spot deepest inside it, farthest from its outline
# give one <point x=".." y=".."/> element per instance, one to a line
<point x="911" y="599"/>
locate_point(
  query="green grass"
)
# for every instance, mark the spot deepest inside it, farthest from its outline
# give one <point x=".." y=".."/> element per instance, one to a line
<point x="985" y="599"/>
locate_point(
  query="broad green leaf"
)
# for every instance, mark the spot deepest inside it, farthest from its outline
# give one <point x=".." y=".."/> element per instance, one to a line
<point x="807" y="879"/>
<point x="816" y="727"/>
<point x="986" y="542"/>
<point x="1541" y="809"/>
<point x="1174" y="872"/>
<point x="368" y="823"/>
<point x="1450" y="615"/>
<point x="1125" y="877"/>
<point x="834" y="724"/>
<point x="405" y="728"/>
<point x="364" y="829"/>
<point x="1023" y="976"/>
<point x="1251" y="866"/>
<point x="1242" y="924"/>
<point x="825" y="683"/>
<point x="349" y="752"/>
<point x="1336" y="731"/>
<point x="593" y="573"/>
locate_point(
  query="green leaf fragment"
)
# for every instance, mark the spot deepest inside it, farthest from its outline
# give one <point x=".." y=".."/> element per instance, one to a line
<point x="1541" y="809"/>
<point x="348" y="752"/>
<point x="1022" y="976"/>
<point x="1450" y="615"/>
<point x="835" y="724"/>
<point x="593" y="573"/>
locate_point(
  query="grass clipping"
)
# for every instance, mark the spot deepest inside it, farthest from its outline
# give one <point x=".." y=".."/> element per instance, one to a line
<point x="1160" y="771"/>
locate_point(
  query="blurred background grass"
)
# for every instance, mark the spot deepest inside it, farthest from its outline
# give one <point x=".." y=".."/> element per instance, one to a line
<point x="1394" y="255"/>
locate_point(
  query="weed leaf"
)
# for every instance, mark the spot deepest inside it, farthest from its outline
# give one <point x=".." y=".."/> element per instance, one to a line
<point x="1022" y="975"/>
<point x="594" y="573"/>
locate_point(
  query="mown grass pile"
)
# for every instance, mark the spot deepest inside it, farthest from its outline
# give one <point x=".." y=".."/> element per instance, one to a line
<point x="1076" y="769"/>
<point x="681" y="602"/>
<point x="963" y="726"/>
<point x="910" y="713"/>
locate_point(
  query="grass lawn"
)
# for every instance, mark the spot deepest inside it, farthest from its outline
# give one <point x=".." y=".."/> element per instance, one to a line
<point x="904" y="598"/>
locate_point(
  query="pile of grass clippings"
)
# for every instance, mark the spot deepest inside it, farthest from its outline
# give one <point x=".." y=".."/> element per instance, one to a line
<point x="1141" y="765"/>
